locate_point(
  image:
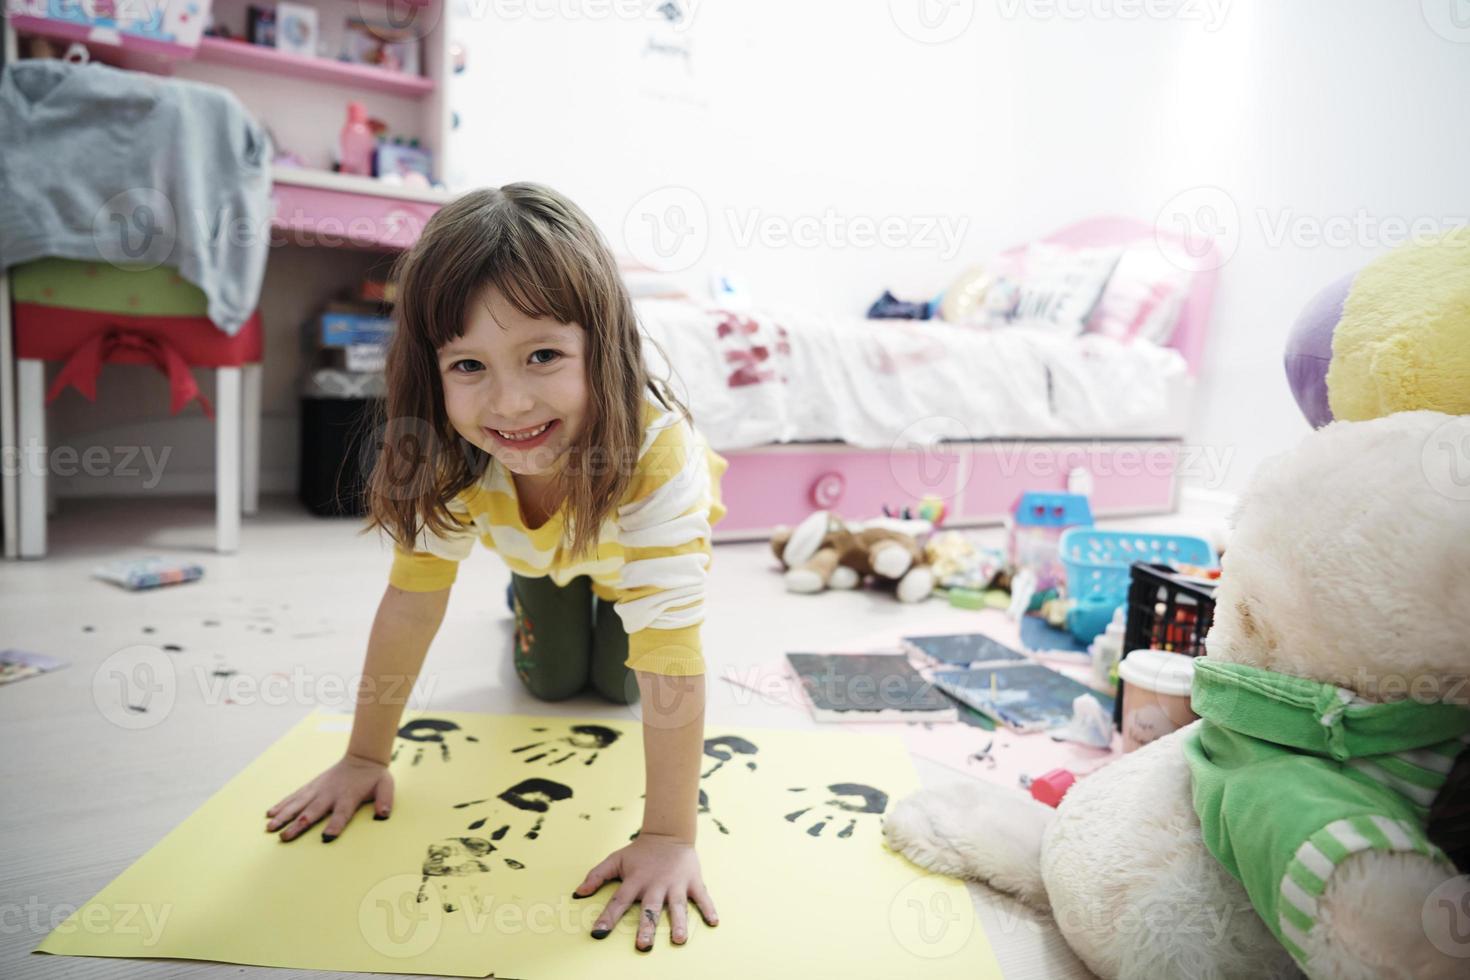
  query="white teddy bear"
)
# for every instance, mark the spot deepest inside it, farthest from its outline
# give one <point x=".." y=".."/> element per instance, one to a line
<point x="1287" y="830"/>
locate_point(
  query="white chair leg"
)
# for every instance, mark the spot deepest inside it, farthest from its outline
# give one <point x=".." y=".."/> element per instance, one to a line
<point x="32" y="455"/>
<point x="250" y="502"/>
<point x="227" y="459"/>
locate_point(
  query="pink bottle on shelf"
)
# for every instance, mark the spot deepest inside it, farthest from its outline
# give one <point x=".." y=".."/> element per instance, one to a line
<point x="357" y="143"/>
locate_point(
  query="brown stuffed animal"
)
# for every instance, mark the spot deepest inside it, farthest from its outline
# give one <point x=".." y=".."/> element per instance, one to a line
<point x="824" y="553"/>
<point x="810" y="554"/>
<point x="892" y="549"/>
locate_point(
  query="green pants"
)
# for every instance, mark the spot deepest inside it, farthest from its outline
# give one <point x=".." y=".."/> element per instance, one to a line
<point x="567" y="638"/>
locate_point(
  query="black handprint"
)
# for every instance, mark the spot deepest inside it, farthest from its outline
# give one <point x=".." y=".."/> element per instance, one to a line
<point x="724" y="748"/>
<point x="704" y="811"/>
<point x="860" y="799"/>
<point x="583" y="737"/>
<point x="425" y="731"/>
<point x="457" y="857"/>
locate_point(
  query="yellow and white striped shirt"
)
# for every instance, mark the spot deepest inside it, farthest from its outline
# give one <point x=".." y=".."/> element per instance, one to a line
<point x="651" y="558"/>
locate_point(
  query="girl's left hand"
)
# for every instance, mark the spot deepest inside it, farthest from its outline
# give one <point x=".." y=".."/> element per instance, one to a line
<point x="657" y="871"/>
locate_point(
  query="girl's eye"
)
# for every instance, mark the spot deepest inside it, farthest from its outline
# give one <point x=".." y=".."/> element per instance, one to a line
<point x="551" y="356"/>
<point x="465" y="366"/>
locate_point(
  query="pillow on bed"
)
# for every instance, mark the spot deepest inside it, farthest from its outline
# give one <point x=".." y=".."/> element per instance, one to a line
<point x="1056" y="288"/>
<point x="1143" y="299"/>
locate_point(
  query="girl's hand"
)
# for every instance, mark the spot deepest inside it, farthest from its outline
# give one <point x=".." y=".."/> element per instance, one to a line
<point x="656" y="870"/>
<point x="339" y="791"/>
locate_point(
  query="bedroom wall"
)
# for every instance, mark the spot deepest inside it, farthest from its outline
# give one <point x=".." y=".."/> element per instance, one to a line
<point x="791" y="125"/>
<point x="1271" y="121"/>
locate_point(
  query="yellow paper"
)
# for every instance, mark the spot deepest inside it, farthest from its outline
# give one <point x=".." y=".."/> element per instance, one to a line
<point x="790" y="845"/>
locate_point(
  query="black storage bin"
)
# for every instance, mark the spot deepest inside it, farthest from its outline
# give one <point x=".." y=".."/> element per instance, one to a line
<point x="1166" y="611"/>
<point x="334" y="461"/>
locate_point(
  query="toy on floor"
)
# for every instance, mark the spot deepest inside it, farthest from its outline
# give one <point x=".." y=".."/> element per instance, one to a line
<point x="1295" y="818"/>
<point x="1393" y="336"/>
<point x="1035" y="528"/>
<point x="824" y="552"/>
<point x="134" y="574"/>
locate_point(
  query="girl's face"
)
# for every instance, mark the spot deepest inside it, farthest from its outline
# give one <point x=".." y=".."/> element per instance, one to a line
<point x="516" y="386"/>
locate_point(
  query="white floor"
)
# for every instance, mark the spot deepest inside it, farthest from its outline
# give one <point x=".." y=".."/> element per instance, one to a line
<point x="85" y="796"/>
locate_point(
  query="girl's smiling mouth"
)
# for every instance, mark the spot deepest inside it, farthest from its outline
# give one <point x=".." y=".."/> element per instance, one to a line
<point x="523" y="438"/>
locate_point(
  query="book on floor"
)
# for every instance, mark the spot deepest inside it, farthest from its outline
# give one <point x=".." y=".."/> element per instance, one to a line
<point x="1026" y="697"/>
<point x="961" y="649"/>
<point x="868" y="687"/>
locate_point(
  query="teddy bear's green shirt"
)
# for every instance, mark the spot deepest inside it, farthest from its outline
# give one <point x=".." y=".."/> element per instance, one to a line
<point x="1292" y="776"/>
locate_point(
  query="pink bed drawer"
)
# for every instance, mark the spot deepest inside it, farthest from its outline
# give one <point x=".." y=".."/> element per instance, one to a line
<point x="1126" y="477"/>
<point x="783" y="484"/>
<point x="978" y="481"/>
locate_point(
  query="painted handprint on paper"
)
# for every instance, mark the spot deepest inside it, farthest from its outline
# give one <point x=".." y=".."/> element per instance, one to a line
<point x="854" y="798"/>
<point x="585" y="742"/>
<point x="425" y="732"/>
<point x="455" y="859"/>
<point x="722" y="749"/>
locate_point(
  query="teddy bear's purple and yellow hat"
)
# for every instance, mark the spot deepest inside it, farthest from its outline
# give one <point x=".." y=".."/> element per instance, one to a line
<point x="1391" y="337"/>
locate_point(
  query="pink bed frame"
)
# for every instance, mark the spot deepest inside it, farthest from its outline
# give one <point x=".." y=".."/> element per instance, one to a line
<point x="978" y="481"/>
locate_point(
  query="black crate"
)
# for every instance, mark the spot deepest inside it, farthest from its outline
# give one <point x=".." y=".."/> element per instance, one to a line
<point x="334" y="464"/>
<point x="1166" y="611"/>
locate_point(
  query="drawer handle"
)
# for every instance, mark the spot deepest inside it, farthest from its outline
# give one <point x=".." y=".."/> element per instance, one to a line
<point x="827" y="490"/>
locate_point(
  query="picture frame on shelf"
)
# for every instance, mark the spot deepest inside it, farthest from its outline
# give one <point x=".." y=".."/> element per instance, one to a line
<point x="297" y="29"/>
<point x="377" y="42"/>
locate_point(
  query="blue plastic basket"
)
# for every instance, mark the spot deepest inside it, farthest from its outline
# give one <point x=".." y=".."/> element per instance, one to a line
<point x="1097" y="564"/>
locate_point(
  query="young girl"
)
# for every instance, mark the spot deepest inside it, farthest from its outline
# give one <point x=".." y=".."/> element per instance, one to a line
<point x="520" y="412"/>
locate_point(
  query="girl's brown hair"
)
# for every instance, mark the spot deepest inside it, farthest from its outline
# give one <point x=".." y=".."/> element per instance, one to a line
<point x="545" y="256"/>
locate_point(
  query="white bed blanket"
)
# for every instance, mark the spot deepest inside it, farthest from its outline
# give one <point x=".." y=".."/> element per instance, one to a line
<point x="756" y="378"/>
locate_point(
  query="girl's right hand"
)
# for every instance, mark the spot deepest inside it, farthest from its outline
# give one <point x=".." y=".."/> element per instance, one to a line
<point x="339" y="791"/>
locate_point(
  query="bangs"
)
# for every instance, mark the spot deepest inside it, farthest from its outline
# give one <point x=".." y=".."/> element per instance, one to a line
<point x="489" y="239"/>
